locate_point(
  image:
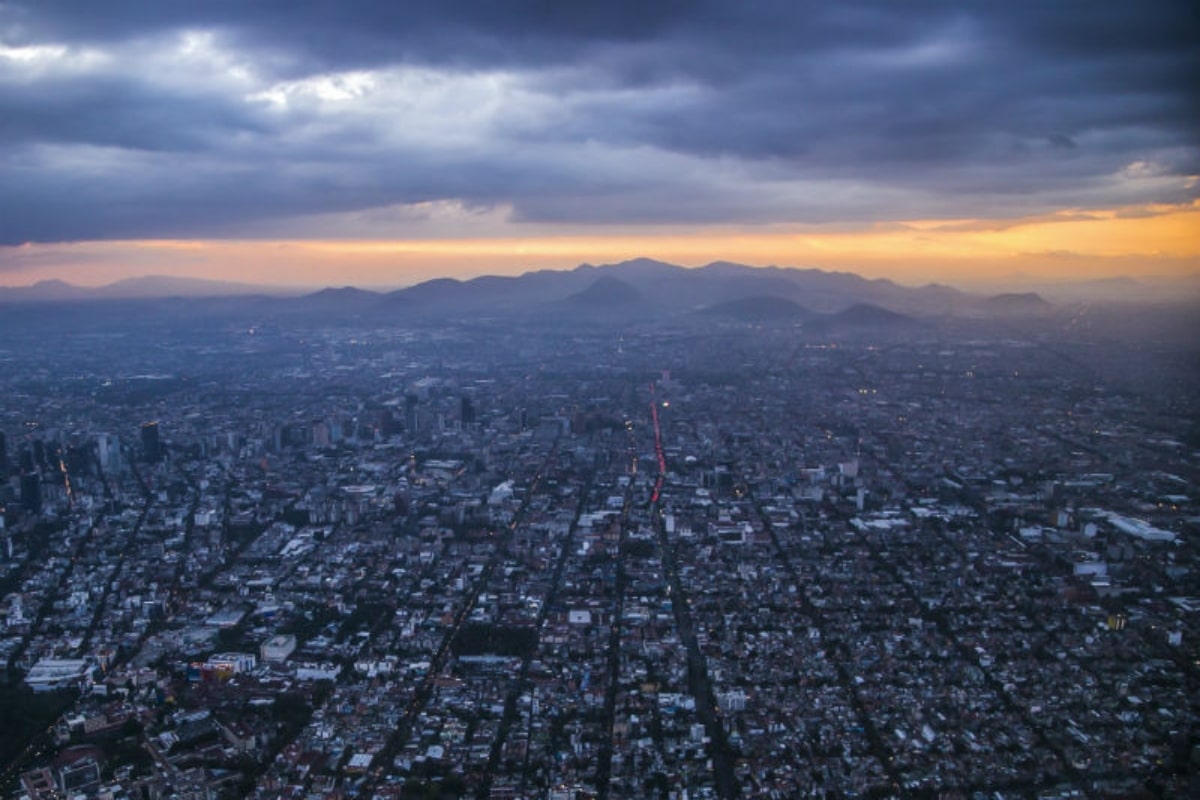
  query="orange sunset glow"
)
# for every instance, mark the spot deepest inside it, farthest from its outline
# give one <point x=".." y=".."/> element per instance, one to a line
<point x="1064" y="246"/>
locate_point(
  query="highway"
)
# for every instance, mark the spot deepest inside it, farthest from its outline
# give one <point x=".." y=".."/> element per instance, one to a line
<point x="699" y="683"/>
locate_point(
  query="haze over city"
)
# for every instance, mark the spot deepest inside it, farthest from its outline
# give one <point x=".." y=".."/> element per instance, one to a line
<point x="381" y="144"/>
<point x="535" y="400"/>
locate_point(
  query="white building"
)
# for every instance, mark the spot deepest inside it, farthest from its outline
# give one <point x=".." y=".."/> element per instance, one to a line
<point x="57" y="673"/>
<point x="277" y="649"/>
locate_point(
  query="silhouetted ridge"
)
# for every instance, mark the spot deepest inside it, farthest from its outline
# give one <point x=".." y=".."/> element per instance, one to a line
<point x="673" y="289"/>
<point x="437" y="290"/>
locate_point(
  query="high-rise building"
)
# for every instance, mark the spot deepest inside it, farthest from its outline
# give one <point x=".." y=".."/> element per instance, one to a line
<point x="25" y="459"/>
<point x="108" y="452"/>
<point x="3" y="456"/>
<point x="387" y="423"/>
<point x="467" y="411"/>
<point x="31" y="492"/>
<point x="320" y="434"/>
<point x="151" y="448"/>
<point x="410" y="413"/>
<point x="79" y="460"/>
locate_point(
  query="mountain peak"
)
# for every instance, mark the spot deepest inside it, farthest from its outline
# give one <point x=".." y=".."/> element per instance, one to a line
<point x="643" y="267"/>
<point x="606" y="291"/>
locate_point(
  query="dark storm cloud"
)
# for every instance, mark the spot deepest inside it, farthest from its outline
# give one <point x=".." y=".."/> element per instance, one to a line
<point x="113" y="112"/>
<point x="126" y="119"/>
<point x="356" y="33"/>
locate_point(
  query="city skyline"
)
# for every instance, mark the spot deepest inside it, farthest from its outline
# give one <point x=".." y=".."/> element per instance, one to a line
<point x="384" y="145"/>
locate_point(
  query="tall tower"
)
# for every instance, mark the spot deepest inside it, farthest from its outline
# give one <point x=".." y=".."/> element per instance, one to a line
<point x="108" y="452"/>
<point x="410" y="413"/>
<point x="31" y="492"/>
<point x="25" y="459"/>
<point x="151" y="449"/>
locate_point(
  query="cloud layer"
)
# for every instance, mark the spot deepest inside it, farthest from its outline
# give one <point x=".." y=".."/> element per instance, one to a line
<point x="129" y="120"/>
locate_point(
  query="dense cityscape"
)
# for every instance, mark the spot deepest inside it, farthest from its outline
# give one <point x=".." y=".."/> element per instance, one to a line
<point x="668" y="559"/>
<point x="655" y="400"/>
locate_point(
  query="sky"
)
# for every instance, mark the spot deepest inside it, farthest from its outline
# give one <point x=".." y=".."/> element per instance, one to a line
<point x="380" y="143"/>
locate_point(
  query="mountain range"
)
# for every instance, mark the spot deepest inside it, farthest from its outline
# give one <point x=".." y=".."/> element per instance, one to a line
<point x="622" y="292"/>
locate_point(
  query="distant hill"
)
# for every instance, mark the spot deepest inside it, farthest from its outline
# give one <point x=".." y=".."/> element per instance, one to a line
<point x="1166" y="289"/>
<point x="1016" y="303"/>
<point x="45" y="291"/>
<point x="605" y="291"/>
<point x="145" y="287"/>
<point x="862" y="317"/>
<point x="867" y="315"/>
<point x="436" y="292"/>
<point x="759" y="308"/>
<point x="342" y="294"/>
<point x="168" y="286"/>
<point x="333" y="301"/>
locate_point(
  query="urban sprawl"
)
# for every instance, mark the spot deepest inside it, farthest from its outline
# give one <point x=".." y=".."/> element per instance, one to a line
<point x="495" y="561"/>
